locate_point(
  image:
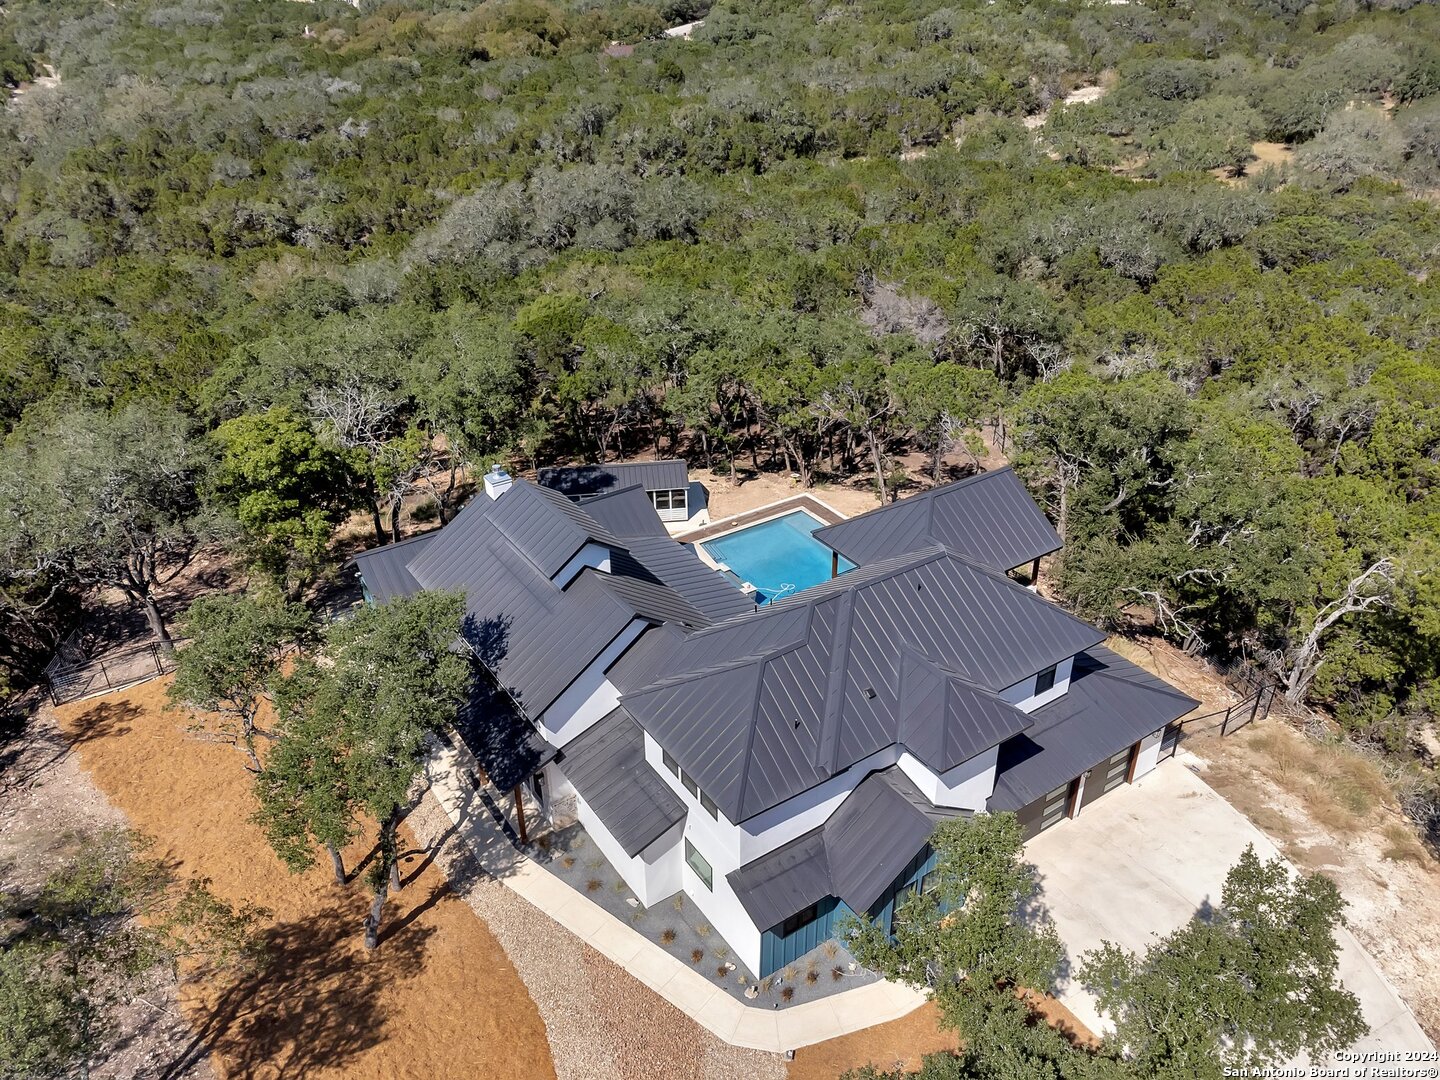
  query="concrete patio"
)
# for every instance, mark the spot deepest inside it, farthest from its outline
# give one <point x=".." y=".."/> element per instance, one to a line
<point x="1142" y="860"/>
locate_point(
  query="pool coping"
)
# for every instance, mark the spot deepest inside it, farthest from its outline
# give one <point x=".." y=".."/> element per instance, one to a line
<point x="827" y="514"/>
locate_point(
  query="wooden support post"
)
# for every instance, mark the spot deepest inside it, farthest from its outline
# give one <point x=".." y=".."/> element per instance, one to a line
<point x="1035" y="574"/>
<point x="834" y="564"/>
<point x="520" y="815"/>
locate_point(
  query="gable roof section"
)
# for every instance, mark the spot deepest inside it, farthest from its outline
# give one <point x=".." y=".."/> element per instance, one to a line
<point x="386" y="569"/>
<point x="989" y="518"/>
<point x="626" y="512"/>
<point x="607" y="766"/>
<point x="579" y="481"/>
<point x="540" y="525"/>
<point x="761" y="707"/>
<point x="534" y="637"/>
<point x="856" y="855"/>
<point x="1111" y="704"/>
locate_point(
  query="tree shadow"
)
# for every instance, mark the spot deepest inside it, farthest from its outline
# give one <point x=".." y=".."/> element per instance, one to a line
<point x="318" y="1003"/>
<point x="1034" y="913"/>
<point x="103" y="720"/>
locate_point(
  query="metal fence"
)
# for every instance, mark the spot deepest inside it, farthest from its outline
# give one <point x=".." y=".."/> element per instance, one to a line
<point x="72" y="675"/>
<point x="1254" y="706"/>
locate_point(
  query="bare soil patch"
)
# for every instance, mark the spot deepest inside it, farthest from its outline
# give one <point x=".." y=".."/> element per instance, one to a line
<point x="45" y="799"/>
<point x="753" y="490"/>
<point x="438" y="999"/>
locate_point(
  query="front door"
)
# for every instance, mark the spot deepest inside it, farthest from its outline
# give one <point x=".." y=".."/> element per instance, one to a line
<point x="1107" y="776"/>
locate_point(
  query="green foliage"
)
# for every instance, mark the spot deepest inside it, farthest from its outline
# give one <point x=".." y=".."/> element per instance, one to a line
<point x="1248" y="984"/>
<point x="353" y="729"/>
<point x="286" y="488"/>
<point x="236" y="646"/>
<point x="77" y="945"/>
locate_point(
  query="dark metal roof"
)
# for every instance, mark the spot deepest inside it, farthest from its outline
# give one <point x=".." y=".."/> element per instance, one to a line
<point x="607" y="766"/>
<point x="505" y="744"/>
<point x="761" y="707"/>
<point x="547" y="529"/>
<point x="1111" y="704"/>
<point x="581" y="480"/>
<point x="855" y="855"/>
<point x="990" y="518"/>
<point x="385" y="570"/>
<point x="534" y="637"/>
<point x="627" y="512"/>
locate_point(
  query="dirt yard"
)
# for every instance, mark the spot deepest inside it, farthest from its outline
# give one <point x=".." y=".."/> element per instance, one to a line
<point x="439" y="998"/>
<point x="1328" y="808"/>
<point x="754" y="490"/>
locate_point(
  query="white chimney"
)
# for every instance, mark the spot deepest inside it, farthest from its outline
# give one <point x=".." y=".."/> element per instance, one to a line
<point x="497" y="482"/>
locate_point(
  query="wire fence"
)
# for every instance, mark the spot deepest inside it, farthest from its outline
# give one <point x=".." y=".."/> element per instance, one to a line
<point x="72" y="674"/>
<point x="1254" y="706"/>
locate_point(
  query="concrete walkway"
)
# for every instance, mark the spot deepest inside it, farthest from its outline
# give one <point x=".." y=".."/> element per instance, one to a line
<point x="479" y="821"/>
<point x="1140" y="861"/>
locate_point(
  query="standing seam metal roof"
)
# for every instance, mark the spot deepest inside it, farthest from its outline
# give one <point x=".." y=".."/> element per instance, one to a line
<point x="762" y="707"/>
<point x="855" y="855"/>
<point x="989" y="518"/>
<point x="579" y="481"/>
<point x="608" y="768"/>
<point x="1111" y="704"/>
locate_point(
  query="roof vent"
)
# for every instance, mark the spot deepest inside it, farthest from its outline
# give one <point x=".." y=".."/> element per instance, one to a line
<point x="497" y="482"/>
<point x="870" y="693"/>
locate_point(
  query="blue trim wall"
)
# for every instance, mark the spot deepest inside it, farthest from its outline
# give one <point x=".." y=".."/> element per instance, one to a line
<point x="776" y="951"/>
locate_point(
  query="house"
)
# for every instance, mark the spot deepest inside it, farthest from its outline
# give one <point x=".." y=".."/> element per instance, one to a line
<point x="783" y="764"/>
<point x="665" y="483"/>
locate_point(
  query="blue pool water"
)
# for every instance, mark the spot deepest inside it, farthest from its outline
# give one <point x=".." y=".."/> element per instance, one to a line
<point x="779" y="557"/>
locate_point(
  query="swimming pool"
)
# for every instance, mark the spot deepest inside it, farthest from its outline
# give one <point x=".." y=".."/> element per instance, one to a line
<point x="779" y="557"/>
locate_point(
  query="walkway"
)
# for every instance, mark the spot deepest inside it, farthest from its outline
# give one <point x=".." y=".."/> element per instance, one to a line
<point x="477" y="817"/>
<point x="1140" y="861"/>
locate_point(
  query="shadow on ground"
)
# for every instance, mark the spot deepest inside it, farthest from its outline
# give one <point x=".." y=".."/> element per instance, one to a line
<point x="318" y="1002"/>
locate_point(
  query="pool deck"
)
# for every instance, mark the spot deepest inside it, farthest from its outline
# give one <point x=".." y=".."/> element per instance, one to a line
<point x="809" y="503"/>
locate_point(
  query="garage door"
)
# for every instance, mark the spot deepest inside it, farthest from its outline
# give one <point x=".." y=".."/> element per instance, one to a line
<point x="1106" y="776"/>
<point x="1046" y="811"/>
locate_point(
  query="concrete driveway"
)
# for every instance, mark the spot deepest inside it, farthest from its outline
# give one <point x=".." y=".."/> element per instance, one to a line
<point x="1141" y="860"/>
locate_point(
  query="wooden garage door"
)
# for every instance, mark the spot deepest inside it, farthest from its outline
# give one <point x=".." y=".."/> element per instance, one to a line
<point x="1046" y="811"/>
<point x="1107" y="776"/>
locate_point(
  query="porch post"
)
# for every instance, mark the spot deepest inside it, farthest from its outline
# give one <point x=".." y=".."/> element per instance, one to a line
<point x="1035" y="574"/>
<point x="520" y="815"/>
<point x="834" y="564"/>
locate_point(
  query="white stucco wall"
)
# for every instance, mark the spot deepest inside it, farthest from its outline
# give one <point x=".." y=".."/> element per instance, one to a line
<point x="1149" y="755"/>
<point x="591" y="697"/>
<point x="652" y="875"/>
<point x="591" y="556"/>
<point x="968" y="785"/>
<point x="1022" y="695"/>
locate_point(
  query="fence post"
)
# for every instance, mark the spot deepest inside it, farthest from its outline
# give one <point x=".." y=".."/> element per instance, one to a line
<point x="155" y="657"/>
<point x="1255" y="709"/>
<point x="105" y="672"/>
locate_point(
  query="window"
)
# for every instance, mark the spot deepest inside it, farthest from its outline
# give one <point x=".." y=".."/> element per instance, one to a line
<point x="537" y="787"/>
<point x="1045" y="680"/>
<point x="688" y="783"/>
<point x="697" y="862"/>
<point x="669" y="499"/>
<point x="709" y="805"/>
<point x="670" y="762"/>
<point x="929" y="881"/>
<point x="661" y="499"/>
<point x="800" y="920"/>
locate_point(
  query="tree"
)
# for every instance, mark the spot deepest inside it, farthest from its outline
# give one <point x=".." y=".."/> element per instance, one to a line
<point x="1106" y="444"/>
<point x="1300" y="662"/>
<point x="105" y="499"/>
<point x="1249" y="984"/>
<point x="1354" y="144"/>
<point x="355" y="731"/>
<point x="944" y="404"/>
<point x="304" y="790"/>
<point x="237" y="643"/>
<point x="73" y="949"/>
<point x="287" y="489"/>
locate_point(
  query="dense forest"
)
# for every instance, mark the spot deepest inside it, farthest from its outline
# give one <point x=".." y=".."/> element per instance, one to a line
<point x="267" y="264"/>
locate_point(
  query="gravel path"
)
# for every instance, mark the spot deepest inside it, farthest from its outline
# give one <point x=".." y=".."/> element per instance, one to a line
<point x="602" y="1023"/>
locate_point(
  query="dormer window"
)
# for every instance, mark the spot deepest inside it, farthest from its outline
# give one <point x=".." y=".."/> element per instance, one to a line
<point x="1045" y="680"/>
